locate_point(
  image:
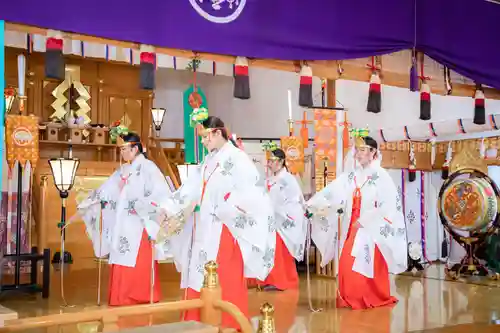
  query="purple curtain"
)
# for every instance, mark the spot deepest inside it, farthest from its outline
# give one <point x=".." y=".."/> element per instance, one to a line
<point x="461" y="35"/>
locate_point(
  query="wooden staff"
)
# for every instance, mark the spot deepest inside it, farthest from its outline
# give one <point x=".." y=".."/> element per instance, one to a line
<point x="99" y="259"/>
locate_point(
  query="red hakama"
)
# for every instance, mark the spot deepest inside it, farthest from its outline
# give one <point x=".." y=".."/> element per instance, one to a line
<point x="231" y="280"/>
<point x="284" y="274"/>
<point x="132" y="285"/>
<point x="356" y="291"/>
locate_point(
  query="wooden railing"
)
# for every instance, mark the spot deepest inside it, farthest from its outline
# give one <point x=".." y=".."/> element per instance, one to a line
<point x="210" y="304"/>
<point x="167" y="165"/>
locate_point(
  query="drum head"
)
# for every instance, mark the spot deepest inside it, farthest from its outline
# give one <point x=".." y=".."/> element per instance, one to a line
<point x="468" y="203"/>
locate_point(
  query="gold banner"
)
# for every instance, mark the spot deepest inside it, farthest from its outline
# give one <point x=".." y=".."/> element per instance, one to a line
<point x="325" y="128"/>
<point x="21" y="134"/>
<point x="294" y="151"/>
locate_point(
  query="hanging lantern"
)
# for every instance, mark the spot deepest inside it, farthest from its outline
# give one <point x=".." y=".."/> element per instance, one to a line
<point x="479" y="107"/>
<point x="54" y="58"/>
<point x="148" y="67"/>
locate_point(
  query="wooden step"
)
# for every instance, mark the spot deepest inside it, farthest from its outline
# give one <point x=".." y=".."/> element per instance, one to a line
<point x="6" y="314"/>
<point x="181" y="327"/>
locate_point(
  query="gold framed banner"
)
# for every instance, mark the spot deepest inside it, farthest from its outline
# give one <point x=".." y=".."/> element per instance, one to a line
<point x="21" y="134"/>
<point x="325" y="152"/>
<point x="294" y="151"/>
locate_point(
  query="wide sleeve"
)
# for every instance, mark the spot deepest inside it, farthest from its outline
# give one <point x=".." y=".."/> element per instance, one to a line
<point x="324" y="207"/>
<point x="154" y="189"/>
<point x="180" y="205"/>
<point x="98" y="213"/>
<point x="384" y="222"/>
<point x="245" y="206"/>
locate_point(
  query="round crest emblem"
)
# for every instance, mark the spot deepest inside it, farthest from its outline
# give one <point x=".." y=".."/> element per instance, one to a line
<point x="219" y="11"/>
<point x="292" y="153"/>
<point x="22" y="136"/>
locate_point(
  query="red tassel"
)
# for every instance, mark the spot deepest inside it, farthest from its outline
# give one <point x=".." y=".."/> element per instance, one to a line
<point x="54" y="58"/>
<point x="425" y="101"/>
<point x="147" y="68"/>
<point x="305" y="90"/>
<point x="241" y="79"/>
<point x="374" y="95"/>
<point x="479" y="107"/>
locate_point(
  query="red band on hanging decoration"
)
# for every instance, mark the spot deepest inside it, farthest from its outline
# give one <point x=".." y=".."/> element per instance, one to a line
<point x="306" y="80"/>
<point x="425" y="96"/>
<point x="376" y="87"/>
<point x="148" y="57"/>
<point x="241" y="70"/>
<point x="54" y="43"/>
<point x="493" y="122"/>
<point x="479" y="102"/>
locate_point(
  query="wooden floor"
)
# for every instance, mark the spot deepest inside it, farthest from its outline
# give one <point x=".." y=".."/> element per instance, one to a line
<point x="427" y="304"/>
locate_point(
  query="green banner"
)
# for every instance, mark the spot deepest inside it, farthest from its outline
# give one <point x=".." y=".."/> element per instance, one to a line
<point x="193" y="149"/>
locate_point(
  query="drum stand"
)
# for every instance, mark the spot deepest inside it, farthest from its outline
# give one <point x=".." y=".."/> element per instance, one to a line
<point x="470" y="264"/>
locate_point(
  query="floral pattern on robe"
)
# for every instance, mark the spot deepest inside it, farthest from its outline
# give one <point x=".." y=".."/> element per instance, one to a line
<point x="233" y="196"/>
<point x="289" y="211"/>
<point x="127" y="203"/>
<point x="381" y="219"/>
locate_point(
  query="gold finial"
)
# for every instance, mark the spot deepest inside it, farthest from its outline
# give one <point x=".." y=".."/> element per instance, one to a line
<point x="468" y="159"/>
<point x="211" y="279"/>
<point x="266" y="322"/>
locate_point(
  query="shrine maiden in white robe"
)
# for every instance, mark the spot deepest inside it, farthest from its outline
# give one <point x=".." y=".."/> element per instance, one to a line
<point x="289" y="212"/>
<point x="127" y="195"/>
<point x="381" y="219"/>
<point x="234" y="194"/>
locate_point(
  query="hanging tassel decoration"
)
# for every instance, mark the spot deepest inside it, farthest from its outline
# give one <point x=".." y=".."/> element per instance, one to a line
<point x="413" y="72"/>
<point x="445" y="169"/>
<point x="482" y="149"/>
<point x="433" y="151"/>
<point x="54" y="59"/>
<point x="425" y="101"/>
<point x="425" y="93"/>
<point x="147" y="67"/>
<point x="241" y="79"/>
<point x="374" y="94"/>
<point x="340" y="69"/>
<point x="412" y="169"/>
<point x="479" y="107"/>
<point x="305" y="90"/>
<point x="448" y="86"/>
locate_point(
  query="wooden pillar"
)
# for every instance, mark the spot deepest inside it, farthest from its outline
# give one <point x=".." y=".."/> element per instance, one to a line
<point x="209" y="293"/>
<point x="2" y="90"/>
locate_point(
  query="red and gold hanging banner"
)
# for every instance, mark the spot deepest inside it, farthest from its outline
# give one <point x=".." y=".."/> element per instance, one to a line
<point x="325" y="128"/>
<point x="294" y="151"/>
<point x="21" y="134"/>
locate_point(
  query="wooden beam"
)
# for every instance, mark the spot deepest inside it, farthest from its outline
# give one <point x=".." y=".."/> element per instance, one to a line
<point x="321" y="68"/>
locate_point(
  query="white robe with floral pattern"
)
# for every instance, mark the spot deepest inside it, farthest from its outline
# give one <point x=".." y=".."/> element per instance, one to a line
<point x="289" y="212"/>
<point x="381" y="219"/>
<point x="234" y="196"/>
<point x="127" y="197"/>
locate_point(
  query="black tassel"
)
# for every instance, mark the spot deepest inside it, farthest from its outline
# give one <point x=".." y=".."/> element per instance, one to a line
<point x="425" y="102"/>
<point x="241" y="79"/>
<point x="305" y="89"/>
<point x="479" y="108"/>
<point x="54" y="59"/>
<point x="147" y="68"/>
<point x="412" y="175"/>
<point x="374" y="95"/>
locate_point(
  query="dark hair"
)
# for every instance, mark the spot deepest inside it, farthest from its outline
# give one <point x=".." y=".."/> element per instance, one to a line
<point x="369" y="141"/>
<point x="280" y="154"/>
<point x="135" y="141"/>
<point x="216" y="123"/>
